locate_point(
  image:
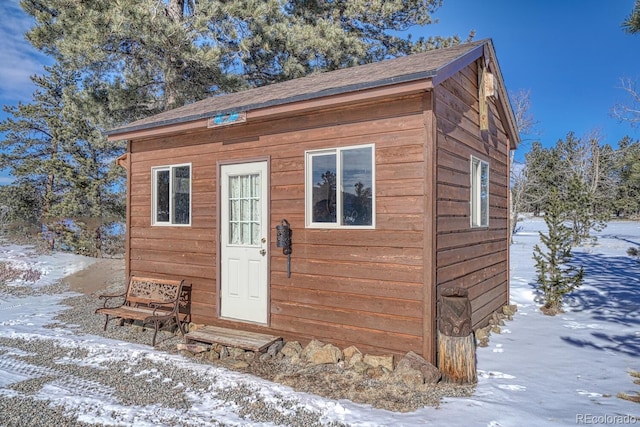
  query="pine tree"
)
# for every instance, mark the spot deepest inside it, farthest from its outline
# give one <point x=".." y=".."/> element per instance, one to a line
<point x="151" y="55"/>
<point x="32" y="147"/>
<point x="556" y="277"/>
<point x="582" y="173"/>
<point x="632" y="24"/>
<point x="627" y="198"/>
<point x="66" y="183"/>
<point x="123" y="60"/>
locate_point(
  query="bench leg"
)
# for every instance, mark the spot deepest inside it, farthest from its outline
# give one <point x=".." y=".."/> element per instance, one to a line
<point x="106" y="321"/>
<point x="180" y="324"/>
<point x="155" y="332"/>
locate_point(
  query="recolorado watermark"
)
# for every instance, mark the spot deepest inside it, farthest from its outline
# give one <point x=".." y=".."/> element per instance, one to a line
<point x="606" y="419"/>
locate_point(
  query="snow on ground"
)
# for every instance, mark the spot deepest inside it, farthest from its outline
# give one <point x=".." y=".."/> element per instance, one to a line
<point x="540" y="371"/>
<point x="52" y="267"/>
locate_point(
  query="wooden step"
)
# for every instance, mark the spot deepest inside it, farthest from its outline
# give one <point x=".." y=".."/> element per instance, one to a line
<point x="232" y="338"/>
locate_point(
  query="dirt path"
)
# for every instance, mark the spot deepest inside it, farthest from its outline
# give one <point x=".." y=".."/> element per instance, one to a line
<point x="97" y="277"/>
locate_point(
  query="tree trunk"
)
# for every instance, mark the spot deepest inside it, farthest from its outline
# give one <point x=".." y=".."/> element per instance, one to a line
<point x="457" y="359"/>
<point x="456" y="341"/>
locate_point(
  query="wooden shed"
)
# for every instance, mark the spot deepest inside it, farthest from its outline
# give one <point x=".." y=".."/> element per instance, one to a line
<point x="393" y="176"/>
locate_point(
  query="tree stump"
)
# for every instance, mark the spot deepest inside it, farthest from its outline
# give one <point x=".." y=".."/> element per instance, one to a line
<point x="456" y="343"/>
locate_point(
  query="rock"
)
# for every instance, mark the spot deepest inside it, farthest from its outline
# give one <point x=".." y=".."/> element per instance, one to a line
<point x="355" y="359"/>
<point x="375" y="361"/>
<point x="312" y="347"/>
<point x="249" y="357"/>
<point x="236" y="353"/>
<point x="409" y="376"/>
<point x="510" y="310"/>
<point x="194" y="326"/>
<point x="375" y="372"/>
<point x="430" y="373"/>
<point x="291" y="348"/>
<point x="192" y="348"/>
<point x="235" y="364"/>
<point x="218" y="347"/>
<point x="360" y="367"/>
<point x="413" y="364"/>
<point x="224" y="353"/>
<point x="213" y="355"/>
<point x="351" y="352"/>
<point x="495" y="318"/>
<point x="275" y="348"/>
<point x="411" y="360"/>
<point x="325" y="355"/>
<point x="482" y="333"/>
<point x="496" y="329"/>
<point x="482" y="336"/>
<point x="265" y="357"/>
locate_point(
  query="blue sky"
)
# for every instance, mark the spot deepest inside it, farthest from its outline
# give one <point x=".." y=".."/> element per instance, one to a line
<point x="569" y="54"/>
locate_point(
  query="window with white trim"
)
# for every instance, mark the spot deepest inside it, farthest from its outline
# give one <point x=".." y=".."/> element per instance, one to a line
<point x="340" y="187"/>
<point x="171" y="195"/>
<point x="479" y="193"/>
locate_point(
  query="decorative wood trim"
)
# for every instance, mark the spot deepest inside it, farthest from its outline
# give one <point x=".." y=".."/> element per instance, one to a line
<point x="429" y="231"/>
<point x="160" y="130"/>
<point x="453" y="67"/>
<point x="482" y="95"/>
<point x="509" y="228"/>
<point x="218" y="265"/>
<point x="122" y="160"/>
<point x="127" y="232"/>
<point x="396" y="90"/>
<point x="504" y="105"/>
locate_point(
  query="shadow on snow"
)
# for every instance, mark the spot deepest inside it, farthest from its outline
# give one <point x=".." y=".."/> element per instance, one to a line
<point x="610" y="294"/>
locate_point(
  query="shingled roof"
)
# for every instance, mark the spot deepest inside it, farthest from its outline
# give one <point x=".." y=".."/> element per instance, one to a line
<point x="398" y="70"/>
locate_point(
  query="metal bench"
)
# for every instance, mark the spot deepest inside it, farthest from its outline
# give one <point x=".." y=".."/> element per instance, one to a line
<point x="150" y="300"/>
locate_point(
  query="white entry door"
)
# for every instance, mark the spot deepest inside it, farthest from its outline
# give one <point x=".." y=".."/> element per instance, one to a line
<point x="244" y="237"/>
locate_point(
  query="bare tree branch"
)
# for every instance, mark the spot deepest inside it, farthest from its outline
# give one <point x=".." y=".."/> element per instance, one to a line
<point x="628" y="111"/>
<point x="521" y="103"/>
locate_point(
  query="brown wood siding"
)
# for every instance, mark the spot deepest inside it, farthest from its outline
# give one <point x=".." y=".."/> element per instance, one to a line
<point x="361" y="287"/>
<point x="474" y="258"/>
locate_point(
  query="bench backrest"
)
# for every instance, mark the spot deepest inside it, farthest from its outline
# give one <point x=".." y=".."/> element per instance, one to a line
<point x="144" y="290"/>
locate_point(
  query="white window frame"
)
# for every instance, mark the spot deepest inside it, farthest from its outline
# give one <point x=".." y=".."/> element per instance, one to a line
<point x="309" y="188"/>
<point x="478" y="167"/>
<point x="154" y="195"/>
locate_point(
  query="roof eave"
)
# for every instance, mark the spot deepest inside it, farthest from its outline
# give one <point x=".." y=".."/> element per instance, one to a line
<point x="411" y="83"/>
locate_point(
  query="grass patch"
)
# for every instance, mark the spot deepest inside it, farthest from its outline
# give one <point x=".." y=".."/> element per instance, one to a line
<point x="632" y="397"/>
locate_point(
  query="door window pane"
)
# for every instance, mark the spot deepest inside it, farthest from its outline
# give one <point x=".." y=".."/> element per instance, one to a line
<point x="244" y="210"/>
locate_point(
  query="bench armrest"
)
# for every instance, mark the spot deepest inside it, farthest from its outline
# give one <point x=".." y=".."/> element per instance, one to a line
<point x="108" y="297"/>
<point x="172" y="304"/>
